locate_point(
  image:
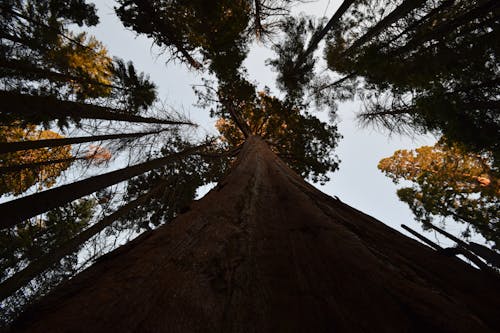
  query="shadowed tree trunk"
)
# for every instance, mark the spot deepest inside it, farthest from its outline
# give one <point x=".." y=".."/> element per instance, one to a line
<point x="313" y="44"/>
<point x="18" y="210"/>
<point x="19" y="167"/>
<point x="403" y="9"/>
<point x="263" y="252"/>
<point x="36" y="109"/>
<point x="39" y="265"/>
<point x="10" y="147"/>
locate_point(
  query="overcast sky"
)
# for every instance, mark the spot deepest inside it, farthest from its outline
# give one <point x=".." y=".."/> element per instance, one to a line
<point x="357" y="183"/>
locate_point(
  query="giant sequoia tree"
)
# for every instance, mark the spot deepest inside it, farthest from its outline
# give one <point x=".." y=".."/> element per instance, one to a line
<point x="264" y="250"/>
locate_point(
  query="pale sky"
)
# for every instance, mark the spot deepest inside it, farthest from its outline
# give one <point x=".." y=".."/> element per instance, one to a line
<point x="358" y="181"/>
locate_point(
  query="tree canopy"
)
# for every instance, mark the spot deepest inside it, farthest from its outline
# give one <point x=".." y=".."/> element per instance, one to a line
<point x="448" y="181"/>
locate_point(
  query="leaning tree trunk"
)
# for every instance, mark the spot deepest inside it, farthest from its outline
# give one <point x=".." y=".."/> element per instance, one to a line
<point x="402" y="10"/>
<point x="37" y="109"/>
<point x="9" y="286"/>
<point x="10" y="147"/>
<point x="18" y="210"/>
<point x="316" y="39"/>
<point x="266" y="252"/>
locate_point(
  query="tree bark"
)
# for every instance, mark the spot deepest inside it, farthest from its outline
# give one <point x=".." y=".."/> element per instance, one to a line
<point x="18" y="210"/>
<point x="19" y="279"/>
<point x="36" y="109"/>
<point x="263" y="252"/>
<point x="10" y="147"/>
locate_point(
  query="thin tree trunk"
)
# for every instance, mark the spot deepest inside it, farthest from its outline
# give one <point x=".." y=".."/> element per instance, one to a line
<point x="403" y="9"/>
<point x="264" y="252"/>
<point x="36" y="109"/>
<point x="19" y="167"/>
<point x="257" y="17"/>
<point x="313" y="44"/>
<point x="335" y="83"/>
<point x="29" y="71"/>
<point x="10" y="147"/>
<point x="423" y="20"/>
<point x="38" y="266"/>
<point x="422" y="238"/>
<point x="240" y="122"/>
<point x="446" y="28"/>
<point x="18" y="210"/>
<point x="462" y="246"/>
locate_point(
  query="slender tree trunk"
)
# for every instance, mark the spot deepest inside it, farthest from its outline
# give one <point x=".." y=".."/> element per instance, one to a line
<point x="29" y="71"/>
<point x="18" y="210"/>
<point x="335" y="83"/>
<point x="313" y="44"/>
<point x="16" y="281"/>
<point x="19" y="167"/>
<point x="403" y="9"/>
<point x="258" y="19"/>
<point x="37" y="109"/>
<point x="266" y="252"/>
<point x="425" y="19"/>
<point x="446" y="28"/>
<point x="10" y="147"/>
<point x="422" y="238"/>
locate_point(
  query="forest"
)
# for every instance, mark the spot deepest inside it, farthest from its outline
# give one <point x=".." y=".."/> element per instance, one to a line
<point x="104" y="219"/>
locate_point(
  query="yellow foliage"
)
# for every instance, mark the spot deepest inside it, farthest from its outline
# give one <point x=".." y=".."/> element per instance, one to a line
<point x="89" y="61"/>
<point x="45" y="176"/>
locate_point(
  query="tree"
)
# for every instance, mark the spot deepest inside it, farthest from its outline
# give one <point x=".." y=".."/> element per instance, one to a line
<point x="268" y="251"/>
<point x="9" y="147"/>
<point x="17" y="210"/>
<point x="43" y="176"/>
<point x="448" y="181"/>
<point x="432" y="70"/>
<point x="186" y="27"/>
<point x="48" y="70"/>
<point x="33" y="240"/>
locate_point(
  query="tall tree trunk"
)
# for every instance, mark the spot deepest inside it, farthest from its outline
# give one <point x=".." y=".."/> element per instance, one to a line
<point x="426" y="19"/>
<point x="258" y="19"/>
<point x="27" y="70"/>
<point x="18" y="210"/>
<point x="33" y="165"/>
<point x="16" y="281"/>
<point x="449" y="26"/>
<point x="313" y="44"/>
<point x="9" y="147"/>
<point x="36" y="109"/>
<point x="403" y="9"/>
<point x="265" y="252"/>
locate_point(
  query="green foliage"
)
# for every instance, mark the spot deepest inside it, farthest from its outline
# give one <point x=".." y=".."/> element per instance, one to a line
<point x="40" y="56"/>
<point x="448" y="181"/>
<point x="299" y="138"/>
<point x="435" y="70"/>
<point x="138" y="93"/>
<point x="292" y="77"/>
<point x="214" y="29"/>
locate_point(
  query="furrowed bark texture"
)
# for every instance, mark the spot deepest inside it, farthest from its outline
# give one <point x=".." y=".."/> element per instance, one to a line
<point x="267" y="252"/>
